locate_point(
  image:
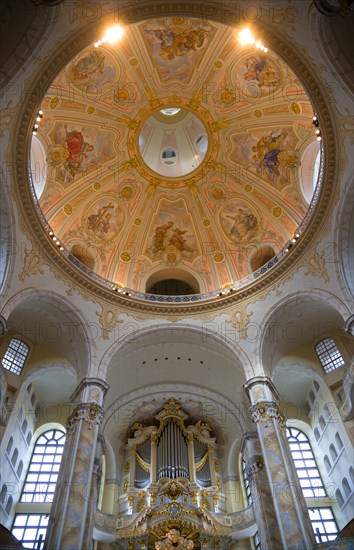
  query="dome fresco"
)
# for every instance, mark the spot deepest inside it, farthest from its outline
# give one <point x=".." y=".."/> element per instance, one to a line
<point x="118" y="192"/>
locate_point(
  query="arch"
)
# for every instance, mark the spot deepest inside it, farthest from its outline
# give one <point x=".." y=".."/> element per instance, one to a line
<point x="61" y="319"/>
<point x="209" y="332"/>
<point x="344" y="239"/>
<point x="7" y="236"/>
<point x="189" y="277"/>
<point x="19" y="469"/>
<point x="280" y="324"/>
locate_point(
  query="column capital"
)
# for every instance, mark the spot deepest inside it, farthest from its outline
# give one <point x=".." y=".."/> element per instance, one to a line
<point x="261" y="388"/>
<point x="92" y="413"/>
<point x="86" y="386"/>
<point x="266" y="411"/>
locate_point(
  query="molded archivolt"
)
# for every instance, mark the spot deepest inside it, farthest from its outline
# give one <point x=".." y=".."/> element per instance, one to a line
<point x="296" y="322"/>
<point x="7" y="238"/>
<point x="218" y="272"/>
<point x="53" y="322"/>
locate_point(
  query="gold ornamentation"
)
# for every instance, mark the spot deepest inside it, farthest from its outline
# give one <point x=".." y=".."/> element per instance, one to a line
<point x="218" y="257"/>
<point x="125" y="256"/>
<point x="54" y="102"/>
<point x="174" y="539"/>
<point x="206" y="223"/>
<point x="32" y="265"/>
<point x="258" y="113"/>
<point x="68" y="209"/>
<point x="248" y="188"/>
<point x="127" y="467"/>
<point x="137" y="221"/>
<point x="295" y="108"/>
<point x="125" y="485"/>
<point x="96" y="186"/>
<point x="240" y="319"/>
<point x="316" y="265"/>
<point x="108" y="320"/>
<point x="133" y="62"/>
<point x="218" y="63"/>
<point x="277" y="211"/>
<point x="90" y="110"/>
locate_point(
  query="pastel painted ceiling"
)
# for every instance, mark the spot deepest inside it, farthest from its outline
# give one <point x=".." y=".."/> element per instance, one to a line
<point x="129" y="210"/>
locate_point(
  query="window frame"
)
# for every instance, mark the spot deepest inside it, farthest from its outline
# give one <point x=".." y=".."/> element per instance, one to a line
<point x="330" y="356"/>
<point x="12" y="363"/>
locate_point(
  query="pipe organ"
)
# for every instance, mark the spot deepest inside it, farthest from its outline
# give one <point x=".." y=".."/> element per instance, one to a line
<point x="171" y="470"/>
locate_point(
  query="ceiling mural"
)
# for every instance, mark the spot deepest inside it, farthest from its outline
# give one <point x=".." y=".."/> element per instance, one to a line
<point x="201" y="192"/>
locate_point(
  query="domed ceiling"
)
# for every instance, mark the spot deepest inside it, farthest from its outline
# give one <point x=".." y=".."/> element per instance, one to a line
<point x="206" y="191"/>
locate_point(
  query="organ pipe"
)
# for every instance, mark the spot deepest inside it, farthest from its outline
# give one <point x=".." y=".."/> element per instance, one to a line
<point x="172" y="453"/>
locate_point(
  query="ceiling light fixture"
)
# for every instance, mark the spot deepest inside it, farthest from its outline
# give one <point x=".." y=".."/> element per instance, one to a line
<point x="112" y="35"/>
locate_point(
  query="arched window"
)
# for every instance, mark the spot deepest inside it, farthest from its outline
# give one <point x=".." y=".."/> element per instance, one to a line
<point x="9" y="445"/>
<point x="327" y="463"/>
<point x="9" y="505"/>
<point x="346" y="487"/>
<point x="14" y="457"/>
<point x="351" y="474"/>
<point x="317" y="434"/>
<point x="19" y="469"/>
<point x="332" y="450"/>
<point x="322" y="519"/>
<point x="15" y="356"/>
<point x="329" y="355"/>
<point x="339" y="498"/>
<point x="322" y="422"/>
<point x="339" y="441"/>
<point x="39" y="486"/>
<point x="305" y="464"/>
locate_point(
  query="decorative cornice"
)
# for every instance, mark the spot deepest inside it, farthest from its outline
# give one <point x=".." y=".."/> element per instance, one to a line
<point x="213" y="11"/>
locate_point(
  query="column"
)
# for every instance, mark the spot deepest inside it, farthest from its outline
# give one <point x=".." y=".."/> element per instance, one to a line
<point x="289" y="504"/>
<point x="261" y="494"/>
<point x="153" y="459"/>
<point x="212" y="465"/>
<point x="71" y="521"/>
<point x="191" y="461"/>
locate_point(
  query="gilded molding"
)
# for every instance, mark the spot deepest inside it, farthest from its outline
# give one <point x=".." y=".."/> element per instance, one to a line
<point x="33" y="265"/>
<point x="316" y="265"/>
<point x="240" y="320"/>
<point x="108" y="320"/>
<point x="92" y="413"/>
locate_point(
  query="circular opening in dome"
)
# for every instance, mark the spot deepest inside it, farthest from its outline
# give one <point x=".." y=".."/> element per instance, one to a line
<point x="173" y="142"/>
